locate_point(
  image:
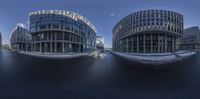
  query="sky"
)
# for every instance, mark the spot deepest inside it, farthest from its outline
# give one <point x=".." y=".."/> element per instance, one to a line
<point x="103" y="14"/>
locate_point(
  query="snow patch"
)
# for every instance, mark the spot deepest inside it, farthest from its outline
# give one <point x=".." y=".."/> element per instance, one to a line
<point x="57" y="55"/>
<point x="155" y="58"/>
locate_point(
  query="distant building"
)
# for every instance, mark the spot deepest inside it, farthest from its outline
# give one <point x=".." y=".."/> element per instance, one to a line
<point x="148" y="31"/>
<point x="59" y="31"/>
<point x="0" y="41"/>
<point x="5" y="46"/>
<point x="99" y="43"/>
<point x="191" y="39"/>
<point x="108" y="49"/>
<point x="20" y="39"/>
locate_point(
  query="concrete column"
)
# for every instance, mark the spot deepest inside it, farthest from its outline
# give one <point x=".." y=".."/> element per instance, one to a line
<point x="151" y="43"/>
<point x="40" y="47"/>
<point x="137" y="43"/>
<point x="175" y="49"/>
<point x="40" y="44"/>
<point x="31" y="46"/>
<point x="117" y="46"/>
<point x="114" y="45"/>
<point x="26" y="47"/>
<point x="158" y="43"/>
<point x="21" y="48"/>
<point x="127" y="46"/>
<point x="162" y="43"/>
<point x="70" y="37"/>
<point x="173" y="44"/>
<point x="121" y="45"/>
<point x="165" y="43"/>
<point x="51" y="47"/>
<point x="144" y="43"/>
<point x="34" y="47"/>
<point x="79" y="48"/>
<point x="55" y="42"/>
<point x="18" y="46"/>
<point x="63" y="45"/>
<point x="63" y="42"/>
<point x="132" y="50"/>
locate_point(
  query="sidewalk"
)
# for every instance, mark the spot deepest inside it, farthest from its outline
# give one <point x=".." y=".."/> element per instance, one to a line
<point x="155" y="58"/>
<point x="57" y="55"/>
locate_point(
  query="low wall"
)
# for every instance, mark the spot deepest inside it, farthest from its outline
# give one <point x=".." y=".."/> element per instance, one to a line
<point x="155" y="58"/>
<point x="58" y="55"/>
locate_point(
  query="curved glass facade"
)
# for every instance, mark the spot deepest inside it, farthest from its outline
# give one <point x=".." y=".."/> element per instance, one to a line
<point x="57" y="31"/>
<point x="148" y="31"/>
<point x="20" y="39"/>
<point x="0" y="41"/>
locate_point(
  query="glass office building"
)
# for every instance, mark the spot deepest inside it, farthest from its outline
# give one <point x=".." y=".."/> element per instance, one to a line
<point x="191" y="39"/>
<point x="58" y="31"/>
<point x="20" y="39"/>
<point x="0" y="40"/>
<point x="148" y="31"/>
<point x="99" y="43"/>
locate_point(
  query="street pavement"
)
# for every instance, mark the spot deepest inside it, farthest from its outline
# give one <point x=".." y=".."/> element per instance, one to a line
<point x="101" y="76"/>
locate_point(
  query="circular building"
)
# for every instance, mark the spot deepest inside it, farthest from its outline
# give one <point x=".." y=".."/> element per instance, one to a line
<point x="20" y="38"/>
<point x="58" y="31"/>
<point x="0" y="41"/>
<point x="148" y="31"/>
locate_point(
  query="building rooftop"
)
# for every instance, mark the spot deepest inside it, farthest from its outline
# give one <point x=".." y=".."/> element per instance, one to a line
<point x="70" y="14"/>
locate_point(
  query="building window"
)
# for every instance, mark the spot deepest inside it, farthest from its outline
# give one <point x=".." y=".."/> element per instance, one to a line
<point x="55" y="26"/>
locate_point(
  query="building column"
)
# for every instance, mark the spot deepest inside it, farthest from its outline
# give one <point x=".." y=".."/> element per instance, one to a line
<point x="34" y="47"/>
<point x="79" y="46"/>
<point x="158" y="43"/>
<point x="31" y="45"/>
<point x="137" y="43"/>
<point x="175" y="49"/>
<point x="132" y="50"/>
<point x="162" y="43"/>
<point x="165" y="43"/>
<point x="26" y="47"/>
<point x="22" y="48"/>
<point x="51" y="43"/>
<point x="144" y="43"/>
<point x="120" y="45"/>
<point x="55" y="42"/>
<point x="70" y="40"/>
<point x="63" y="43"/>
<point x="18" y="46"/>
<point x="40" y="44"/>
<point x="127" y="45"/>
<point x="116" y="45"/>
<point x="151" y="43"/>
<point x="118" y="48"/>
<point x="172" y="44"/>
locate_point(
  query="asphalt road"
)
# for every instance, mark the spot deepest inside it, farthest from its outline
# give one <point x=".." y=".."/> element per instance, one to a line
<point x="102" y="76"/>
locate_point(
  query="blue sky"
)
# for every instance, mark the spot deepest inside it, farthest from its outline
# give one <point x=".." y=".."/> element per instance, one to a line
<point x="104" y="14"/>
